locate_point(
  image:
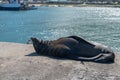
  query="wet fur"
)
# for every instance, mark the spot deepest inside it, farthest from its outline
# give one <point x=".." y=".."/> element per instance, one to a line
<point x="74" y="47"/>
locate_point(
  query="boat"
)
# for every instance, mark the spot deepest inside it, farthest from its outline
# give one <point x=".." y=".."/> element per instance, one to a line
<point x="16" y="5"/>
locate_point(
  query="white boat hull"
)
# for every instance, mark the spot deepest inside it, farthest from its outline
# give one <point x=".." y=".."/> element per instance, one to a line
<point x="15" y="7"/>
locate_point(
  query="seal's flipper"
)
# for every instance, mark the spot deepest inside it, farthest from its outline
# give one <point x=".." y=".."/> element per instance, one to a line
<point x="36" y="43"/>
<point x="75" y="57"/>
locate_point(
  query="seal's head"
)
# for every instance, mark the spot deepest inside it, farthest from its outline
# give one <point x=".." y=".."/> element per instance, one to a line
<point x="106" y="58"/>
<point x="108" y="55"/>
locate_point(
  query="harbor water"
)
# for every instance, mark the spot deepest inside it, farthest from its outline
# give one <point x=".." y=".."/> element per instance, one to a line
<point x="92" y="23"/>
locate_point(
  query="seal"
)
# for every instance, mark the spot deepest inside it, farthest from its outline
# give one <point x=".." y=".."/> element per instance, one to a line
<point x="74" y="47"/>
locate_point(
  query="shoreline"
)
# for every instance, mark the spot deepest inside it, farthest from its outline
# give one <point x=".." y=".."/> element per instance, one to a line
<point x="75" y="5"/>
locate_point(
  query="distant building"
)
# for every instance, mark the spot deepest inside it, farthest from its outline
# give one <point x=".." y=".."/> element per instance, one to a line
<point x="38" y="1"/>
<point x="67" y="1"/>
<point x="57" y="0"/>
<point x="77" y="1"/>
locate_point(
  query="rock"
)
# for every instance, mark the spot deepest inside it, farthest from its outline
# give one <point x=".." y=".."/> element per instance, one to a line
<point x="20" y="62"/>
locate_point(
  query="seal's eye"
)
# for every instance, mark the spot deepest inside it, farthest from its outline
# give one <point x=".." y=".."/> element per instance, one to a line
<point x="105" y="51"/>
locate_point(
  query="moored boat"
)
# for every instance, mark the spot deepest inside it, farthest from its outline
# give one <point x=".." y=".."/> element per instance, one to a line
<point x="16" y="5"/>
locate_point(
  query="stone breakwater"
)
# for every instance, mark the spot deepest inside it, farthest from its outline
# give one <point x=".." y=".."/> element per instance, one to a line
<point x="75" y="5"/>
<point x="20" y="62"/>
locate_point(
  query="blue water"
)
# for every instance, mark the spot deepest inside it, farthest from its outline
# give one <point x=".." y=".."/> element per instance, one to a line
<point x="93" y="23"/>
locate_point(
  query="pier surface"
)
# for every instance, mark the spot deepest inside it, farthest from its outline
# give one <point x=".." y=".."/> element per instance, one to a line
<point x="20" y="62"/>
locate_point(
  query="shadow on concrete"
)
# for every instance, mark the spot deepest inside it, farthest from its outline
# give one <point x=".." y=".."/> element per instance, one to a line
<point x="61" y="58"/>
<point x="33" y="54"/>
<point x="53" y="57"/>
